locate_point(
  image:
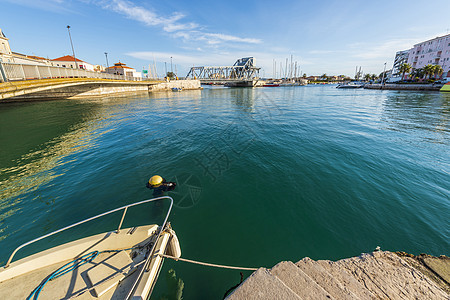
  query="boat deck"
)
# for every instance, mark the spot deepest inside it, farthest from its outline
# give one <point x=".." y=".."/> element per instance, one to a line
<point x="75" y="284"/>
<point x="109" y="275"/>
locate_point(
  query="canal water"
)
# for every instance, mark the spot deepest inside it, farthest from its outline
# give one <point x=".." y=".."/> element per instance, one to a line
<point x="264" y="174"/>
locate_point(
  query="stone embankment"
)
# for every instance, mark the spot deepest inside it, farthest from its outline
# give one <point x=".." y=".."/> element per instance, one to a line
<point x="75" y="88"/>
<point x="377" y="275"/>
<point x="181" y="84"/>
<point x="405" y="87"/>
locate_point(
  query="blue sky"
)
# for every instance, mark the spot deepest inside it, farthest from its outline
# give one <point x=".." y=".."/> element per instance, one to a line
<point x="330" y="37"/>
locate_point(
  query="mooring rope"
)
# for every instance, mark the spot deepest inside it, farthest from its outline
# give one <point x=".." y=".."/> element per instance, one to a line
<point x="207" y="264"/>
<point x="92" y="255"/>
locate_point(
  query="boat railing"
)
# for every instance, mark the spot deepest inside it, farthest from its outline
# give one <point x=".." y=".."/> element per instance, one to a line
<point x="124" y="208"/>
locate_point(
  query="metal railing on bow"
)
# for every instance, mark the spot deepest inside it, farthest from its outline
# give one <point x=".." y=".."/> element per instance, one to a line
<point x="124" y="208"/>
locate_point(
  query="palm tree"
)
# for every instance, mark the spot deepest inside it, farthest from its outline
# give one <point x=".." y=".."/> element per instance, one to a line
<point x="429" y="70"/>
<point x="171" y="75"/>
<point x="418" y="73"/>
<point x="438" y="71"/>
<point x="367" y="77"/>
<point x="404" y="68"/>
<point x="383" y="74"/>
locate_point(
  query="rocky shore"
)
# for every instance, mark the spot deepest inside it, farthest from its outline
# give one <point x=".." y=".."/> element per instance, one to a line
<point x="376" y="275"/>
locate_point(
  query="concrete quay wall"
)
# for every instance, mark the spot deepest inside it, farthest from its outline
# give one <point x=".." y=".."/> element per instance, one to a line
<point x="376" y="275"/>
<point x="103" y="91"/>
<point x="404" y="87"/>
<point x="183" y="84"/>
<point x="79" y="89"/>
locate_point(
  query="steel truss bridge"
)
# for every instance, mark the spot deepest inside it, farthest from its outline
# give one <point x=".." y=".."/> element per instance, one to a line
<point x="243" y="71"/>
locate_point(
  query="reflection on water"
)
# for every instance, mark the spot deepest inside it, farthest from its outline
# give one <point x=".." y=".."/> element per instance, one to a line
<point x="243" y="98"/>
<point x="47" y="161"/>
<point x="425" y="113"/>
<point x="308" y="167"/>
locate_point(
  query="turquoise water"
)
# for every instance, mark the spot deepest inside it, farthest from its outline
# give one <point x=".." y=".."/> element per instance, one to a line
<point x="264" y="174"/>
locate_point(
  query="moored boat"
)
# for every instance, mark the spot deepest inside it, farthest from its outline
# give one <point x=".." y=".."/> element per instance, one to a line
<point x="119" y="264"/>
<point x="350" y="85"/>
<point x="445" y="87"/>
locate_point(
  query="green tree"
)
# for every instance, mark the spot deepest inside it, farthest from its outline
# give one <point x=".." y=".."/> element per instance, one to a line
<point x="367" y="77"/>
<point x="324" y="76"/>
<point x="429" y="70"/>
<point x="418" y="73"/>
<point x="438" y="71"/>
<point x="374" y="77"/>
<point x="385" y="75"/>
<point x="304" y="75"/>
<point x="171" y="75"/>
<point x="404" y="68"/>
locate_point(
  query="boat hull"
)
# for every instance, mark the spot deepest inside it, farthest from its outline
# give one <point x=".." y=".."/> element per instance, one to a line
<point x="445" y="87"/>
<point x="349" y="86"/>
<point x="110" y="275"/>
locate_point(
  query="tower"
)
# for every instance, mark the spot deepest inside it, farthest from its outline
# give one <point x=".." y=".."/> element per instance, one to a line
<point x="5" y="50"/>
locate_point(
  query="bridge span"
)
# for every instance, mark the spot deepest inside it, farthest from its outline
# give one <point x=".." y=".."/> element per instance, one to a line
<point x="63" y="88"/>
<point x="242" y="73"/>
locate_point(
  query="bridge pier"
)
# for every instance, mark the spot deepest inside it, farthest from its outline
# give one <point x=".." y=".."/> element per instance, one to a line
<point x="243" y="83"/>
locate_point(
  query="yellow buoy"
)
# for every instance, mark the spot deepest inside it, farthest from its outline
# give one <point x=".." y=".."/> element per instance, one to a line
<point x="155" y="181"/>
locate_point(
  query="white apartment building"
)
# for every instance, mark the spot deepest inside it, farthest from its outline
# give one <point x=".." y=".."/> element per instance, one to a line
<point x="435" y="52"/>
<point x="122" y="69"/>
<point x="401" y="57"/>
<point x="68" y="61"/>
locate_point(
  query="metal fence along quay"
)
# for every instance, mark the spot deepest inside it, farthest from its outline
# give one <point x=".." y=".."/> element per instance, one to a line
<point x="13" y="71"/>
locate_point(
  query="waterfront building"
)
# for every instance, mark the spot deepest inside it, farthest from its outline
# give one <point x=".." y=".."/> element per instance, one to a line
<point x="122" y="69"/>
<point x="25" y="59"/>
<point x="435" y="52"/>
<point x="5" y="49"/>
<point x="312" y="78"/>
<point x="8" y="56"/>
<point x="99" y="68"/>
<point x="68" y="61"/>
<point x="401" y="57"/>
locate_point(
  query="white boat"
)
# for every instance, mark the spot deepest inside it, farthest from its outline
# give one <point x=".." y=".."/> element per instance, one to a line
<point x="119" y="264"/>
<point x="350" y="85"/>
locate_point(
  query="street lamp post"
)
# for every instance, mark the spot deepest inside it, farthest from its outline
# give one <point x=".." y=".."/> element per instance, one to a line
<point x="171" y="68"/>
<point x="107" y="63"/>
<point x="384" y="73"/>
<point x="73" y="51"/>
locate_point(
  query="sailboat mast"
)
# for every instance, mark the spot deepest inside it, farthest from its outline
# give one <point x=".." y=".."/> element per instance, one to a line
<point x="286" y="70"/>
<point x="290" y="71"/>
<point x="273" y="68"/>
<point x="150" y="75"/>
<point x="295" y="72"/>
